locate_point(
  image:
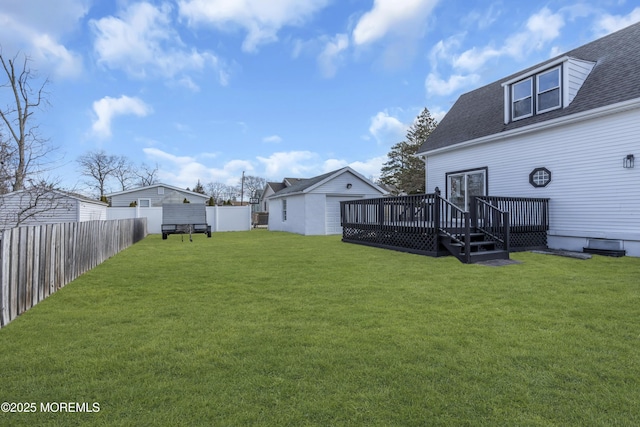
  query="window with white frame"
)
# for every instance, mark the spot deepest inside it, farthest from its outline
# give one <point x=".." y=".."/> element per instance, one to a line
<point x="522" y="99"/>
<point x="540" y="177"/>
<point x="548" y="90"/>
<point x="144" y="203"/>
<point x="284" y="209"/>
<point x="537" y="94"/>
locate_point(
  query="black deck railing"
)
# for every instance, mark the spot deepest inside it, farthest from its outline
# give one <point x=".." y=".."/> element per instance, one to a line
<point x="492" y="221"/>
<point x="412" y="223"/>
<point x="408" y="213"/>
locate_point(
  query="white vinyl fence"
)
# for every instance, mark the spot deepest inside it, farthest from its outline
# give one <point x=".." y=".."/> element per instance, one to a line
<point x="220" y="218"/>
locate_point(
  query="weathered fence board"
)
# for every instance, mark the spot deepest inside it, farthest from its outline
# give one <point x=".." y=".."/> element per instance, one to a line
<point x="36" y="261"/>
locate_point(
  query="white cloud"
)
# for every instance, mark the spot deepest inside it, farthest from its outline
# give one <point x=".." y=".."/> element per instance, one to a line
<point x="438" y="86"/>
<point x="392" y="16"/>
<point x="141" y="41"/>
<point x="185" y="171"/>
<point x="611" y="23"/>
<point x="332" y="54"/>
<point x="274" y="139"/>
<point x="438" y="114"/>
<point x="541" y="28"/>
<point x="40" y="33"/>
<point x="298" y="164"/>
<point x="443" y="50"/>
<point x="107" y="108"/>
<point x="387" y="129"/>
<point x="262" y="20"/>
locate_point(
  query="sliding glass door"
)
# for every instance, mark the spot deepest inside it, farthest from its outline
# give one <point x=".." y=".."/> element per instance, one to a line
<point x="463" y="186"/>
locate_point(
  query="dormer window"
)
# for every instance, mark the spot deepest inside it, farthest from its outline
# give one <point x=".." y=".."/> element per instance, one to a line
<point x="548" y="89"/>
<point x="522" y="95"/>
<point x="545" y="85"/>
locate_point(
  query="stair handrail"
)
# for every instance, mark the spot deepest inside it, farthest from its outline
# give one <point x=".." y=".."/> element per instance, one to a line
<point x="457" y="219"/>
<point x="489" y="228"/>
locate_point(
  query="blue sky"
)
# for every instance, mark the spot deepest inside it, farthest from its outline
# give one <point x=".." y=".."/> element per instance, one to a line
<point x="207" y="89"/>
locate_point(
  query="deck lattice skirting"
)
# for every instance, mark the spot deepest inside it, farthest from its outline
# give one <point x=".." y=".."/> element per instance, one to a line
<point x="413" y="223"/>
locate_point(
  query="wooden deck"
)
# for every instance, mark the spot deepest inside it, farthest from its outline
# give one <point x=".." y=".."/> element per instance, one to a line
<point x="428" y="224"/>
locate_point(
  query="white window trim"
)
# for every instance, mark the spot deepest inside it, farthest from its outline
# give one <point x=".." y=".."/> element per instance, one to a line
<point x="559" y="87"/>
<point x="140" y="203"/>
<point x="514" y="100"/>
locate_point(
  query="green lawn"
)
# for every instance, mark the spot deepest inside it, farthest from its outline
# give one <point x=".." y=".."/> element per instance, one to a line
<point x="265" y="328"/>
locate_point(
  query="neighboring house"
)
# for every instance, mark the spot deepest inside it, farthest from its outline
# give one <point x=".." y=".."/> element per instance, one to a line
<point x="312" y="206"/>
<point x="35" y="207"/>
<point x="154" y="195"/>
<point x="567" y="129"/>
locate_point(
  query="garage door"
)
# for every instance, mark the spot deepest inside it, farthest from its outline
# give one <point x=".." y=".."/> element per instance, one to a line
<point x="333" y="214"/>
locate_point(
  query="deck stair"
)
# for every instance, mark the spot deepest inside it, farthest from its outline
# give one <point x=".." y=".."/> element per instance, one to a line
<point x="472" y="249"/>
<point x="480" y="234"/>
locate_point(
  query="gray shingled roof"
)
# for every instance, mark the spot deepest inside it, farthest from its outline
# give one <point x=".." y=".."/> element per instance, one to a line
<point x="614" y="79"/>
<point x="303" y="184"/>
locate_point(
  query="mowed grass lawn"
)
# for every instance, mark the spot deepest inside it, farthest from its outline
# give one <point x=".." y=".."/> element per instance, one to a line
<point x="266" y="328"/>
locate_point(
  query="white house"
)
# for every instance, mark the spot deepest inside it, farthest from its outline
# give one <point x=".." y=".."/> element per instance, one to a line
<point x="567" y="129"/>
<point x="312" y="206"/>
<point x="36" y="207"/>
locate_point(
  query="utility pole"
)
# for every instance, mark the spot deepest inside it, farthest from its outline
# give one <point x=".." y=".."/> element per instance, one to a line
<point x="242" y="190"/>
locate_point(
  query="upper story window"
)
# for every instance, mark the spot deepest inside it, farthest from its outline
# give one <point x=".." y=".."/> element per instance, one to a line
<point x="545" y="85"/>
<point x="522" y="99"/>
<point x="548" y="90"/>
<point x="551" y="86"/>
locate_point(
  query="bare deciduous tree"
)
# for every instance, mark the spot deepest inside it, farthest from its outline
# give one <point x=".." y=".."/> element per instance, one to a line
<point x="147" y="175"/>
<point x="98" y="166"/>
<point x="217" y="191"/>
<point x="23" y="149"/>
<point x="124" y="172"/>
<point x="253" y="185"/>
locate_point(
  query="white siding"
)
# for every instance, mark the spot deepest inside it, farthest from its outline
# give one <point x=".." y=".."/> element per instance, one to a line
<point x="338" y="185"/>
<point x="591" y="194"/>
<point x="295" y="222"/>
<point x="576" y="73"/>
<point x="88" y="211"/>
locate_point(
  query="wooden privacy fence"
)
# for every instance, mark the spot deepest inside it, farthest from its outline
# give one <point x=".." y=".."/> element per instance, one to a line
<point x="36" y="261"/>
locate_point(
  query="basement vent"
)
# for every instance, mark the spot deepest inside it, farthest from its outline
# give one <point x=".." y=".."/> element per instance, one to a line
<point x="605" y="247"/>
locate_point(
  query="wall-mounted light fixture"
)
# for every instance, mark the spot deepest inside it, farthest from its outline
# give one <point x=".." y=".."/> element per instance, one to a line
<point x="349" y="185"/>
<point x="628" y="161"/>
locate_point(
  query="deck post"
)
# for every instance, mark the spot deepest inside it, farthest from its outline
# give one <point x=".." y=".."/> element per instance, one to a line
<point x="507" y="231"/>
<point x="467" y="237"/>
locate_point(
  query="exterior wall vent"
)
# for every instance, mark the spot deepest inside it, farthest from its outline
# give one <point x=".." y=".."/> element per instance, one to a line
<point x="605" y="247"/>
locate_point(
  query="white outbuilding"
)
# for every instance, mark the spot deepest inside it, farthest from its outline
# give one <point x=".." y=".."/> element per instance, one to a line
<point x="312" y="206"/>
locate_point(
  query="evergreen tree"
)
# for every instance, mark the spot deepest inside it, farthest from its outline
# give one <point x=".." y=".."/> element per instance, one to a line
<point x="404" y="172"/>
<point x="199" y="188"/>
